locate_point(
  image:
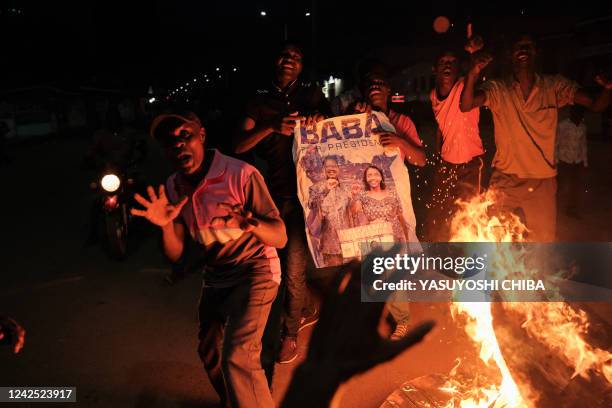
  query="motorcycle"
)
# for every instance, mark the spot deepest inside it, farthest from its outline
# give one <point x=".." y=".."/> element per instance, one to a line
<point x="115" y="186"/>
<point x="115" y="190"/>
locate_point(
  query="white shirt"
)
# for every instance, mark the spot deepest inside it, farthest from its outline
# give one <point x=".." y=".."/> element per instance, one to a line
<point x="571" y="145"/>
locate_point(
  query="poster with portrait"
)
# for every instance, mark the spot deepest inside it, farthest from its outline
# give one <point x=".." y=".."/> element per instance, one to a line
<point x="355" y="193"/>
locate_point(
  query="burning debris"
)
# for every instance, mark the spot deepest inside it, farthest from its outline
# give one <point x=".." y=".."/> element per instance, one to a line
<point x="529" y="354"/>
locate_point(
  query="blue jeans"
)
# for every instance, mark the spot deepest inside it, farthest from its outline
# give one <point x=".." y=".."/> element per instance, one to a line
<point x="295" y="257"/>
<point x="232" y="322"/>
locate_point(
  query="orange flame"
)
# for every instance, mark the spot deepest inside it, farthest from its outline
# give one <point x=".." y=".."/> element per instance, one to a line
<point x="554" y="324"/>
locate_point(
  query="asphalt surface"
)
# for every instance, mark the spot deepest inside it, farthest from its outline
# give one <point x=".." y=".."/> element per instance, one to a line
<point x="122" y="337"/>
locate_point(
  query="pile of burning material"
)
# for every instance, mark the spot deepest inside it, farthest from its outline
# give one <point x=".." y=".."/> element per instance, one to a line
<point x="529" y="354"/>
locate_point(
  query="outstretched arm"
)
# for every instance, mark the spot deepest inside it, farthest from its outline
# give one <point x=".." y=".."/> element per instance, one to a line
<point x="159" y="211"/>
<point x="471" y="98"/>
<point x="253" y="132"/>
<point x="602" y="101"/>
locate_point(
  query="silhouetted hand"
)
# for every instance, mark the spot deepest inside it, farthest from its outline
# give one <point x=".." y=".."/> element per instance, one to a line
<point x="158" y="210"/>
<point x="345" y="342"/>
<point x="12" y="332"/>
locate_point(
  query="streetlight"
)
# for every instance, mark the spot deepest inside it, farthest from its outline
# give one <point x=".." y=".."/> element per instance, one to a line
<point x="262" y="13"/>
<point x="307" y="14"/>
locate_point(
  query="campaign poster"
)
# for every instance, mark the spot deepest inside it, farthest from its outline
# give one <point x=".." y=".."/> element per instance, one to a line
<point x="355" y="193"/>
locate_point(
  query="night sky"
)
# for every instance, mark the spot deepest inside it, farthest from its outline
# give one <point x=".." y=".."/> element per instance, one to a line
<point x="134" y="44"/>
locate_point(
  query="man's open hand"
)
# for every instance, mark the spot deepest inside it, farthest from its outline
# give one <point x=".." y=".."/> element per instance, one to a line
<point x="158" y="210"/>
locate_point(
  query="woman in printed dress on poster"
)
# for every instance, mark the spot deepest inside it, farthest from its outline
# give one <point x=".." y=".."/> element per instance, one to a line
<point x="378" y="204"/>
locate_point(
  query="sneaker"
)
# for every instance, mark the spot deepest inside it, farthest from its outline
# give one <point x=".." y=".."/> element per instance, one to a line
<point x="309" y="320"/>
<point x="288" y="351"/>
<point x="400" y="331"/>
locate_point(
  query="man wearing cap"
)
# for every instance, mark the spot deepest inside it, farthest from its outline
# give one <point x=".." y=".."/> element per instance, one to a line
<point x="268" y="130"/>
<point x="224" y="205"/>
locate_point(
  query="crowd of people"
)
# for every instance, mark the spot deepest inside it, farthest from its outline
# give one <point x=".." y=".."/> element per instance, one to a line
<point x="252" y="227"/>
<point x="241" y="218"/>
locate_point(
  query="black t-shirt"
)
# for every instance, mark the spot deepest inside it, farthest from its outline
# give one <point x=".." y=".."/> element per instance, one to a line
<point x="276" y="149"/>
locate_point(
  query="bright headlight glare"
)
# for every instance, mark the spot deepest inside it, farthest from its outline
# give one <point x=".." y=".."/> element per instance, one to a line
<point x="110" y="183"/>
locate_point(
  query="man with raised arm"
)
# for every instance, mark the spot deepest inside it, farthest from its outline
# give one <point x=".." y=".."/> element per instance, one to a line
<point x="525" y="107"/>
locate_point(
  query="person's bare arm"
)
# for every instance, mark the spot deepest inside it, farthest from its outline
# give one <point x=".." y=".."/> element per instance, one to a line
<point x="271" y="231"/>
<point x="470" y="97"/>
<point x="159" y="211"/>
<point x="601" y="103"/>
<point x="173" y="238"/>
<point x="252" y="132"/>
<point x="413" y="154"/>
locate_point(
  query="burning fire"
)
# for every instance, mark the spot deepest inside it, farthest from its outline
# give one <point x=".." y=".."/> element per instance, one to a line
<point x="555" y="325"/>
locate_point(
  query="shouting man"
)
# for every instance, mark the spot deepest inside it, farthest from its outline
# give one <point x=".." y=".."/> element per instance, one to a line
<point x="525" y="107"/>
<point x="268" y="129"/>
<point x="459" y="172"/>
<point x="223" y="203"/>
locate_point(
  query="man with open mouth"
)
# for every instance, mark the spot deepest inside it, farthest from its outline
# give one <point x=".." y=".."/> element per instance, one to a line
<point x="525" y="108"/>
<point x="224" y="205"/>
<point x="267" y="130"/>
<point x="375" y="88"/>
<point x="458" y="173"/>
<point x="376" y="91"/>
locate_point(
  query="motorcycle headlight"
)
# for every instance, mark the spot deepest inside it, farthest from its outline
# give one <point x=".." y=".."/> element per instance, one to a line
<point x="110" y="183"/>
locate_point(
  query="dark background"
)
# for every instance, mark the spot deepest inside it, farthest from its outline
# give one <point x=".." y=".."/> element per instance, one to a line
<point x="161" y="43"/>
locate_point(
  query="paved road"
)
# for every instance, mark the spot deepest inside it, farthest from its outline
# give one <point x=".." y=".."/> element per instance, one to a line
<point x="119" y="335"/>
